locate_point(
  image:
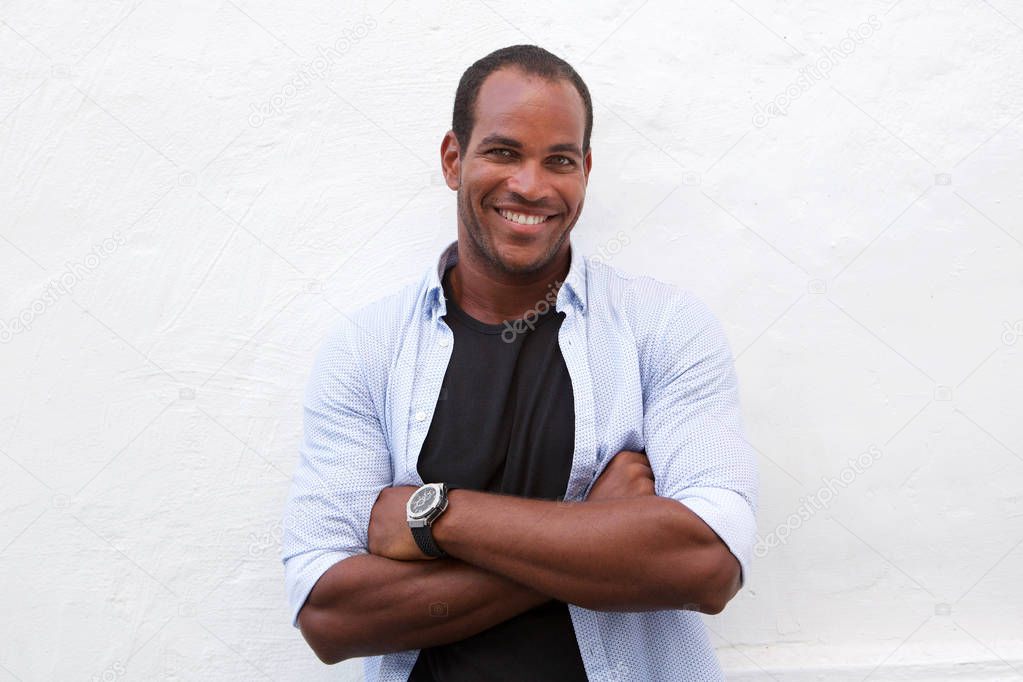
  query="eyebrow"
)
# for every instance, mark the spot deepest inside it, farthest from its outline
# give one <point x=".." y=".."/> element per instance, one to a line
<point x="510" y="142"/>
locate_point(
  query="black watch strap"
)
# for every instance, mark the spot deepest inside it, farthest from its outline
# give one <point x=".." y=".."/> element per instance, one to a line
<point x="424" y="538"/>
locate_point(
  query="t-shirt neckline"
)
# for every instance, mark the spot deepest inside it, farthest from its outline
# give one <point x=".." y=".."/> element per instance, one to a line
<point x="517" y="326"/>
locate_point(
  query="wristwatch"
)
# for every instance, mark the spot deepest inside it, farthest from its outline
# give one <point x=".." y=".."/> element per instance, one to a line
<point x="426" y="504"/>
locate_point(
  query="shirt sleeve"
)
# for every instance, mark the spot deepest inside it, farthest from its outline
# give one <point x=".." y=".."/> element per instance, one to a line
<point x="343" y="465"/>
<point x="693" y="426"/>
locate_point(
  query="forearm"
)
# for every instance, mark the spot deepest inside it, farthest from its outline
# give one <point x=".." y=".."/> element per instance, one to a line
<point x="635" y="554"/>
<point x="368" y="605"/>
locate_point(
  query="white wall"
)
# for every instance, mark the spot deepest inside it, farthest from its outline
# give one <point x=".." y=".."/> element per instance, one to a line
<point x="864" y="251"/>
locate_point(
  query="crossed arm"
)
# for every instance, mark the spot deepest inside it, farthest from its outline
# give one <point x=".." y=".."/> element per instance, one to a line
<point x="623" y="549"/>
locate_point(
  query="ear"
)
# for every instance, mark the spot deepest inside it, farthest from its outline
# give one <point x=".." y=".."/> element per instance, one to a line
<point x="588" y="163"/>
<point x="450" y="160"/>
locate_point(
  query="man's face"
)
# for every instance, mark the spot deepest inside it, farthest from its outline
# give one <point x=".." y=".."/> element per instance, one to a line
<point x="524" y="157"/>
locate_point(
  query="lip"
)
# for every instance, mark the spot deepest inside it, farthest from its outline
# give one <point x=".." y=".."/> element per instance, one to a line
<point x="526" y="230"/>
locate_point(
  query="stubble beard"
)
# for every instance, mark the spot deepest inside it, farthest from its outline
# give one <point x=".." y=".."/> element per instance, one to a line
<point x="485" y="248"/>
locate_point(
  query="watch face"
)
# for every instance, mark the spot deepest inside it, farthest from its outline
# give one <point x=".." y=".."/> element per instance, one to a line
<point x="422" y="500"/>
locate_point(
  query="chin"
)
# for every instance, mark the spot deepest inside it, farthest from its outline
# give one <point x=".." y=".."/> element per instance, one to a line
<point x="523" y="265"/>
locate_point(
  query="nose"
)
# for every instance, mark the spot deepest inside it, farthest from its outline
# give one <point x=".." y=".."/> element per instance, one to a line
<point x="527" y="182"/>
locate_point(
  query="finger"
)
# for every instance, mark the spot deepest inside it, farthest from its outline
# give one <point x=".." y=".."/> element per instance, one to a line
<point x="626" y="456"/>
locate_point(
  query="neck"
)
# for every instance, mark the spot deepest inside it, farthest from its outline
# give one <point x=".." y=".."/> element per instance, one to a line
<point x="493" y="298"/>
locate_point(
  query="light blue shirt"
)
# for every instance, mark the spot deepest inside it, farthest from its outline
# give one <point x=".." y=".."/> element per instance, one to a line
<point x="651" y="371"/>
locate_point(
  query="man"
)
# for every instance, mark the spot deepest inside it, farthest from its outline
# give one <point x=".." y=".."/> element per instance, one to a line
<point x="599" y="493"/>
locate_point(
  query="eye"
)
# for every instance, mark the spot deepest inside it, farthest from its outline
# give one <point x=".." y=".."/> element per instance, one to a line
<point x="504" y="153"/>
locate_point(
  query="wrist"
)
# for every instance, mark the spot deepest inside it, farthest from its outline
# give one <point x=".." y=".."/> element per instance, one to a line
<point x="444" y="526"/>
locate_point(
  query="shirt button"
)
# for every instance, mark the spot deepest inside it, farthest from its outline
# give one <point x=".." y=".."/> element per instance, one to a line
<point x="443" y="343"/>
<point x="420" y="416"/>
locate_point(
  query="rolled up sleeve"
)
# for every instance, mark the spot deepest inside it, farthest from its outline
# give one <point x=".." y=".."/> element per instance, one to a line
<point x="693" y="426"/>
<point x="343" y="465"/>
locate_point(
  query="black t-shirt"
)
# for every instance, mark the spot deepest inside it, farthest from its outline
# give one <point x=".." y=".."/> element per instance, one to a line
<point x="504" y="422"/>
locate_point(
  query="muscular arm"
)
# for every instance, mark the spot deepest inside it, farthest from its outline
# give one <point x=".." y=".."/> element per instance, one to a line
<point x="630" y="554"/>
<point x="623" y="549"/>
<point x="372" y="604"/>
<point x="368" y="605"/>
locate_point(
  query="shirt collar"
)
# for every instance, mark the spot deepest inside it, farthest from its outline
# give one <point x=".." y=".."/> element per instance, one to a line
<point x="573" y="290"/>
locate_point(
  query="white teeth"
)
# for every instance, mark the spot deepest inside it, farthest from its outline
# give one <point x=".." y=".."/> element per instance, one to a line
<point x="521" y="218"/>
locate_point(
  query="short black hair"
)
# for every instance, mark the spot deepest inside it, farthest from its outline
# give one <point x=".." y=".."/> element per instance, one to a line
<point x="531" y="59"/>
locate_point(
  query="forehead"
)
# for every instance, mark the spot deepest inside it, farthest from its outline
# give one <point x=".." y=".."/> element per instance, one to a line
<point x="529" y="108"/>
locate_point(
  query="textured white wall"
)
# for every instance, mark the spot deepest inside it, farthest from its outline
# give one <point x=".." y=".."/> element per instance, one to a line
<point x="190" y="194"/>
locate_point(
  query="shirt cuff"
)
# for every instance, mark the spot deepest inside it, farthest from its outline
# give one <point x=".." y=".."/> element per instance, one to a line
<point x="730" y="516"/>
<point x="301" y="572"/>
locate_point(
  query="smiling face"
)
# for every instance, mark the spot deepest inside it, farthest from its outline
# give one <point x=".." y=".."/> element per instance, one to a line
<point x="521" y="180"/>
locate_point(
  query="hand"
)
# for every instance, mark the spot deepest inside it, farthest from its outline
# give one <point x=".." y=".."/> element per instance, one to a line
<point x="389" y="534"/>
<point x="628" y="474"/>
